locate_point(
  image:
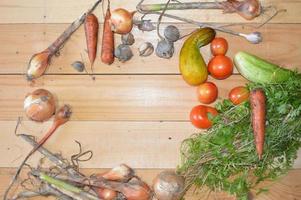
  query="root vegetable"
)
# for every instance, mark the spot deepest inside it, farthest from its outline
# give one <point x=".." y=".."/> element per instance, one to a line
<point x="91" y="31"/>
<point x="107" y="50"/>
<point x="165" y="49"/>
<point x="61" y="117"/>
<point x="168" y="186"/>
<point x="123" y="53"/>
<point x="106" y="194"/>
<point x="146" y="49"/>
<point x="171" y="33"/>
<point x="39" y="105"/>
<point x="128" y="39"/>
<point x="258" y="109"/>
<point x="121" y="21"/>
<point x="39" y="62"/>
<point x="121" y="173"/>
<point x="248" y="9"/>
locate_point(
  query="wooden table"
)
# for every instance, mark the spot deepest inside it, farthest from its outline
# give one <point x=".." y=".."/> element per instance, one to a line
<point x="134" y="112"/>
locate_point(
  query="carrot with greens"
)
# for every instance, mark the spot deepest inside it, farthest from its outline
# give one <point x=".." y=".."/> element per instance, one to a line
<point x="107" y="50"/>
<point x="258" y="109"/>
<point x="91" y="31"/>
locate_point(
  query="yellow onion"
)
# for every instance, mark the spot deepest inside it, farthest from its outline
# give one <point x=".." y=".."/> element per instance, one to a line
<point x="38" y="64"/>
<point x="121" y="21"/>
<point x="168" y="186"/>
<point x="39" y="105"/>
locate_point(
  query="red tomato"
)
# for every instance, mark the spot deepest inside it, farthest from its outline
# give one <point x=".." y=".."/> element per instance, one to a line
<point x="239" y="94"/>
<point x="199" y="116"/>
<point x="207" y="92"/>
<point x="220" y="67"/>
<point x="219" y="46"/>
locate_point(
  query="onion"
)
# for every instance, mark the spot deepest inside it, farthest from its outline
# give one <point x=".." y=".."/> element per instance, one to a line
<point x="121" y="21"/>
<point x="39" y="105"/>
<point x="136" y="189"/>
<point x="168" y="186"/>
<point x="121" y="173"/>
<point x="106" y="194"/>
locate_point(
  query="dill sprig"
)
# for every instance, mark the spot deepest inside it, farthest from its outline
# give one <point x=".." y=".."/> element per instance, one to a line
<point x="225" y="158"/>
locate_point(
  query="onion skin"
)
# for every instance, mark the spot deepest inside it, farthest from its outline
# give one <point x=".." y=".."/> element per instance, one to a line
<point x="136" y="189"/>
<point x="39" y="105"/>
<point x="121" y="173"/>
<point x="168" y="186"/>
<point x="121" y="21"/>
<point x="106" y="194"/>
<point x="38" y="64"/>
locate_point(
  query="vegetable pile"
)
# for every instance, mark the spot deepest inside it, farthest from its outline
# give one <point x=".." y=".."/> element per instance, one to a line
<point x="225" y="157"/>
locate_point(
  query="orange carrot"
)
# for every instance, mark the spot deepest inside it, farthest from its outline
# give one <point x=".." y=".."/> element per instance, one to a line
<point x="91" y="30"/>
<point x="107" y="50"/>
<point x="258" y="109"/>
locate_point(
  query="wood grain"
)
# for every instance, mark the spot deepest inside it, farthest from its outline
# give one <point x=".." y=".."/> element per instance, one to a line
<point x="287" y="187"/>
<point x="139" y="144"/>
<point x="118" y="97"/>
<point x="32" y="11"/>
<point x="20" y="41"/>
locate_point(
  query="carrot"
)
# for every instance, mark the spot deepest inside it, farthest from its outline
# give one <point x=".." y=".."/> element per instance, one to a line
<point x="258" y="109"/>
<point x="107" y="50"/>
<point x="91" y="31"/>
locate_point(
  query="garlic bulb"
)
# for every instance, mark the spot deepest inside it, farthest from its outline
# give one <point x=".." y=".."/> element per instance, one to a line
<point x="146" y="49"/>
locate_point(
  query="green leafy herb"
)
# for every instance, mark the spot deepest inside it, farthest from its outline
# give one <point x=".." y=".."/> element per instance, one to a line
<point x="225" y="157"/>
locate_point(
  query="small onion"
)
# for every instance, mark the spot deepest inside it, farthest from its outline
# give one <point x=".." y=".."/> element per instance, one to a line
<point x="128" y="39"/>
<point x="120" y="173"/>
<point x="121" y="21"/>
<point x="168" y="186"/>
<point x="106" y="194"/>
<point x="39" y="105"/>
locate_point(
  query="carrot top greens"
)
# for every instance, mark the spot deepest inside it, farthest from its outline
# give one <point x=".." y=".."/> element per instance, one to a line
<point x="225" y="159"/>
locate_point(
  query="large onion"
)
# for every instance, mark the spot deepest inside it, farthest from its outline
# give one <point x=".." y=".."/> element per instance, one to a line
<point x="121" y="21"/>
<point x="168" y="186"/>
<point x="39" y="105"/>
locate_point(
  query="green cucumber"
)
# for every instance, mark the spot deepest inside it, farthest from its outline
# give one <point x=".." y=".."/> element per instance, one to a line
<point x="258" y="70"/>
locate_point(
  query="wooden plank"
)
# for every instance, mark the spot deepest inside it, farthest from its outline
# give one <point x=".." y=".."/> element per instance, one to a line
<point x="287" y="187"/>
<point x="31" y="11"/>
<point x="140" y="144"/>
<point x="118" y="97"/>
<point x="20" y="41"/>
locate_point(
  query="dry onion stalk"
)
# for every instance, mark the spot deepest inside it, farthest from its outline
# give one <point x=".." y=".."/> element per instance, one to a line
<point x="40" y="61"/>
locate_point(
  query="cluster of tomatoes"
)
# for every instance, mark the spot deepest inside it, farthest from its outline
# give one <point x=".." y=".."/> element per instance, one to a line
<point x="220" y="67"/>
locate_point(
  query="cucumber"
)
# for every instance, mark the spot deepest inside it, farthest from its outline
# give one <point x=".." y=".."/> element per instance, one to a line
<point x="192" y="65"/>
<point x="258" y="70"/>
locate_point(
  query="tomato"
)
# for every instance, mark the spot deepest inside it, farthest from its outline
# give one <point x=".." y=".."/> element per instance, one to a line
<point x="199" y="116"/>
<point x="207" y="92"/>
<point x="219" y="46"/>
<point x="220" y="67"/>
<point x="239" y="94"/>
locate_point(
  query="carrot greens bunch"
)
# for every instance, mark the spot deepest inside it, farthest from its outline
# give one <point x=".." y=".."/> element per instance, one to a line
<point x="224" y="158"/>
